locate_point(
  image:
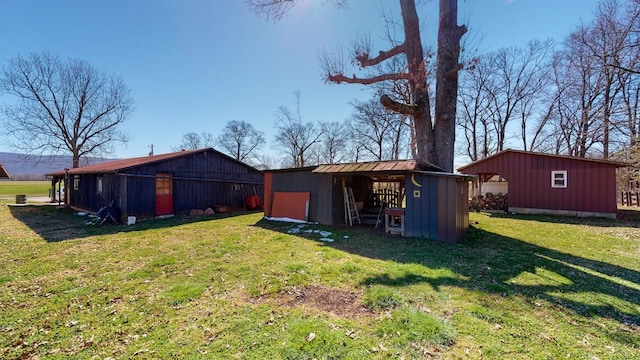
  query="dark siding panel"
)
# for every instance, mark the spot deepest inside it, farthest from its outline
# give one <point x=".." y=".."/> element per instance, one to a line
<point x="141" y="201"/>
<point x="204" y="166"/>
<point x="319" y="187"/>
<point x="447" y="226"/>
<point x="462" y="209"/>
<point x="421" y="214"/>
<point x="325" y="200"/>
<point x="133" y="190"/>
<point x="193" y="187"/>
<point x="82" y="198"/>
<point x="111" y="191"/>
<point x="337" y="195"/>
<point x="268" y="197"/>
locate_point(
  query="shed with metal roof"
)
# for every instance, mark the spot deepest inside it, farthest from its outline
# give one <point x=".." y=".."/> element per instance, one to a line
<point x="164" y="184"/>
<point x="551" y="184"/>
<point x="433" y="204"/>
<point x="4" y="174"/>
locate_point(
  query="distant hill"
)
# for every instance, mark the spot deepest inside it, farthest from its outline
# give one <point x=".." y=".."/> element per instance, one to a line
<point x="33" y="167"/>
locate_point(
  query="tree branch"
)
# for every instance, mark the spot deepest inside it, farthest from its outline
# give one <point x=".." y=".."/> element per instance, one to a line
<point x="387" y="102"/>
<point x="364" y="60"/>
<point x="339" y="78"/>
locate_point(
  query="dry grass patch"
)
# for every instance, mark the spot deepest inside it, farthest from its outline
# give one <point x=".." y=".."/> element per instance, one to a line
<point x="329" y="300"/>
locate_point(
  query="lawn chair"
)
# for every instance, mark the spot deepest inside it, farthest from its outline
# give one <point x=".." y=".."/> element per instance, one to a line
<point x="109" y="213"/>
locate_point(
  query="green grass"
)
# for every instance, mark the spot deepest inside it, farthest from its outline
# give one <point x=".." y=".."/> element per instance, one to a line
<point x="236" y="286"/>
<point x="29" y="188"/>
<point x="382" y="298"/>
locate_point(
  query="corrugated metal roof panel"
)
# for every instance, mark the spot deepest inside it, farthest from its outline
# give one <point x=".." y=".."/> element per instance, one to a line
<point x="377" y="166"/>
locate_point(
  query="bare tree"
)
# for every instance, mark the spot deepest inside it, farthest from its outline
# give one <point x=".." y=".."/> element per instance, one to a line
<point x="380" y="130"/>
<point x="499" y="89"/>
<point x="276" y="9"/>
<point x="476" y="112"/>
<point x="333" y="143"/>
<point x="622" y="22"/>
<point x="63" y="106"/>
<point x="293" y="136"/>
<point x="435" y="136"/>
<point x="193" y="140"/>
<point x="355" y="144"/>
<point x="606" y="39"/>
<point x="263" y="162"/>
<point x="579" y="85"/>
<point x="240" y="139"/>
<point x="630" y="105"/>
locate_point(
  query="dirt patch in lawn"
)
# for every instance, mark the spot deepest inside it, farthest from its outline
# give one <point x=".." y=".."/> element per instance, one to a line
<point x="340" y="302"/>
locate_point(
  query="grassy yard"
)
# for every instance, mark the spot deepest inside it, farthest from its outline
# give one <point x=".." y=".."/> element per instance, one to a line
<point x="9" y="189"/>
<point x="533" y="287"/>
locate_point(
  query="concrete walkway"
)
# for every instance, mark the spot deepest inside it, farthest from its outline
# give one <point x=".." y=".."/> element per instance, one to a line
<point x="31" y="200"/>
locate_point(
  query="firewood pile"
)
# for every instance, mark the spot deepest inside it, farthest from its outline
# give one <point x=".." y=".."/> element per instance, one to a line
<point x="489" y="201"/>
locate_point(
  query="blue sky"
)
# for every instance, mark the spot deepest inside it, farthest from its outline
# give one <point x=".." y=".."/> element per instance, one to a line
<point x="193" y="65"/>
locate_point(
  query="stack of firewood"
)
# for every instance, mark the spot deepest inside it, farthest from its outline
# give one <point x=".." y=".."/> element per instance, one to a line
<point x="489" y="201"/>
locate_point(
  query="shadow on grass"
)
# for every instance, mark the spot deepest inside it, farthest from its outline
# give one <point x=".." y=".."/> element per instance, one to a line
<point x="625" y="218"/>
<point x="56" y="224"/>
<point x="504" y="266"/>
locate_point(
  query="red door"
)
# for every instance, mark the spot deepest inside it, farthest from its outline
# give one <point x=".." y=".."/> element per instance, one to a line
<point x="164" y="194"/>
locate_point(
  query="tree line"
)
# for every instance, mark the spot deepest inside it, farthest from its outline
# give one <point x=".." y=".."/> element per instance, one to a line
<point x="578" y="98"/>
<point x="371" y="133"/>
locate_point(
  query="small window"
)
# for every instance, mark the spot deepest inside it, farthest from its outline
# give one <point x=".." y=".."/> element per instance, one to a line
<point x="76" y="181"/>
<point x="235" y="187"/>
<point x="99" y="185"/>
<point x="164" y="184"/>
<point x="559" y="179"/>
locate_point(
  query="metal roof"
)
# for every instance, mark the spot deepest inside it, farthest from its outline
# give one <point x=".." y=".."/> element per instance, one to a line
<point x="123" y="164"/>
<point x="488" y="158"/>
<point x="377" y="166"/>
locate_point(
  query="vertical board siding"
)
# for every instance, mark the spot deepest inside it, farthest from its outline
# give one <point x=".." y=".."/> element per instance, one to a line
<point x="318" y="185"/>
<point x="440" y="213"/>
<point x="462" y="225"/>
<point x="446" y="210"/>
<point x="201" y="180"/>
<point x="268" y="193"/>
<point x="590" y="185"/>
<point x="421" y="214"/>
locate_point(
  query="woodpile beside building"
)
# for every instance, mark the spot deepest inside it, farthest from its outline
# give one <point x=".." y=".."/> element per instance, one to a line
<point x="540" y="183"/>
<point x="490" y="201"/>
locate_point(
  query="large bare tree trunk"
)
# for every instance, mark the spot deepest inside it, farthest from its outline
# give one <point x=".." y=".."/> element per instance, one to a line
<point x="414" y="52"/>
<point x="447" y="67"/>
<point x="434" y="139"/>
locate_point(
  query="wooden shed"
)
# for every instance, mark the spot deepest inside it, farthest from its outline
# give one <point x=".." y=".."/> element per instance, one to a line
<point x="550" y="184"/>
<point x="165" y="184"/>
<point x="428" y="202"/>
<point x="4" y="175"/>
